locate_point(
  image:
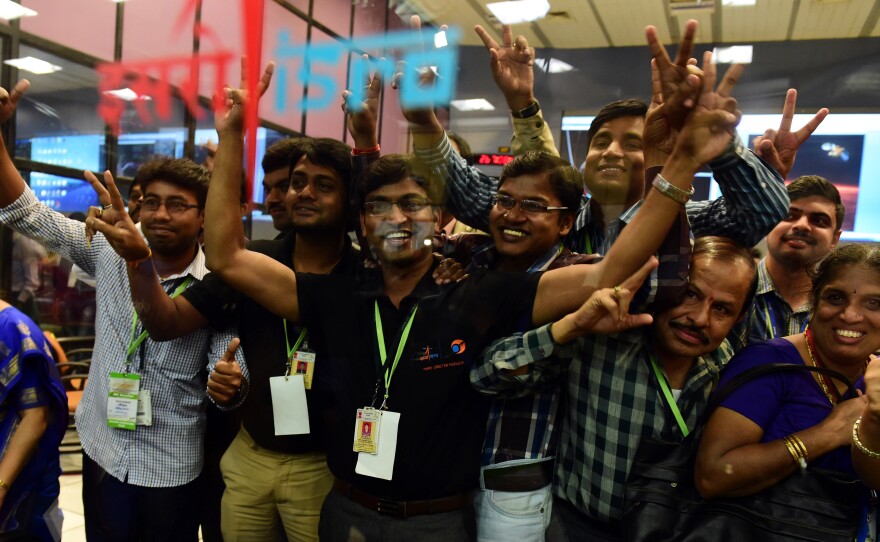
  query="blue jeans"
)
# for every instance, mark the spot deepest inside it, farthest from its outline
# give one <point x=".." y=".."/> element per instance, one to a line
<point x="503" y="516"/>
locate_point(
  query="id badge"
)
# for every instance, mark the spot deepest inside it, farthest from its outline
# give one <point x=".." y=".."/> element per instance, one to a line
<point x="381" y="464"/>
<point x="366" y="430"/>
<point x="289" y="407"/>
<point x="145" y="408"/>
<point x="304" y="363"/>
<point x="122" y="404"/>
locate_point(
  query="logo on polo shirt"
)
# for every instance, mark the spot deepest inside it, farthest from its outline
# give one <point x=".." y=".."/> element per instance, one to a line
<point x="458" y="346"/>
<point x="427" y="354"/>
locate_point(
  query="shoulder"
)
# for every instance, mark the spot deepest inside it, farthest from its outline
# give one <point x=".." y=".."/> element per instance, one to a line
<point x="773" y="351"/>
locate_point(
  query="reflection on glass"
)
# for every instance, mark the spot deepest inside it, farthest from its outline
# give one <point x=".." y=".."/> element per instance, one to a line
<point x="62" y="194"/>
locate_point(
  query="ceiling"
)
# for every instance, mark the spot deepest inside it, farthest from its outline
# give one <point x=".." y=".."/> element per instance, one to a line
<point x="580" y="24"/>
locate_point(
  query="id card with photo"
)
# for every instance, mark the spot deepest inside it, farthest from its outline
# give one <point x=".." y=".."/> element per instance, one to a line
<point x="304" y="364"/>
<point x="381" y="464"/>
<point x="366" y="430"/>
<point x="122" y="403"/>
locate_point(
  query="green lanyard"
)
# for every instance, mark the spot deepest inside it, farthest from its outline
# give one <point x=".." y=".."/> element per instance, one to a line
<point x="588" y="246"/>
<point x="135" y="343"/>
<point x="292" y="351"/>
<point x="668" y="394"/>
<point x="380" y="337"/>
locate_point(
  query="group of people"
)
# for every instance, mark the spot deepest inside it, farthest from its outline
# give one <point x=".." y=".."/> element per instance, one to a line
<point x="383" y="399"/>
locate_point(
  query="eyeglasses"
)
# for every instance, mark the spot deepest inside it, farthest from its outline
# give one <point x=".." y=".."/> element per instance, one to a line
<point x="173" y="206"/>
<point x="503" y="201"/>
<point x="407" y="206"/>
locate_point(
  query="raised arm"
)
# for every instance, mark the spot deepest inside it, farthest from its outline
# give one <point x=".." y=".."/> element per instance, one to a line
<point x="163" y="317"/>
<point x="866" y="458"/>
<point x="779" y="147"/>
<point x="705" y="134"/>
<point x="268" y="282"/>
<point x="11" y="183"/>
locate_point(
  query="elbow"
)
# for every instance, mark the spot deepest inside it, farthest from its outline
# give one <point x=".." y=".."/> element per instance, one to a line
<point x="706" y="485"/>
<point x="712" y="482"/>
<point x="217" y="263"/>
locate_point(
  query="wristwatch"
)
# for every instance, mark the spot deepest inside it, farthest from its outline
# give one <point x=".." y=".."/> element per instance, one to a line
<point x="671" y="191"/>
<point x="529" y="111"/>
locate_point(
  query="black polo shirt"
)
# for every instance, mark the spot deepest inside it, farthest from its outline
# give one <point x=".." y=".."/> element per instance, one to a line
<point x="443" y="420"/>
<point x="262" y="339"/>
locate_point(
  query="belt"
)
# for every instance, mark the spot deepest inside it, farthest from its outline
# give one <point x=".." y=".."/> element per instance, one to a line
<point x="524" y="477"/>
<point x="404" y="509"/>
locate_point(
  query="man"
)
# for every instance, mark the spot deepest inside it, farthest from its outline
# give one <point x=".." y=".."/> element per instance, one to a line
<point x="140" y="474"/>
<point x="615" y="383"/>
<point x="810" y="231"/>
<point x="276" y="180"/>
<point x="426" y="456"/>
<point x="27" y="255"/>
<point x="617" y="169"/>
<point x="258" y="503"/>
<point x="135" y="193"/>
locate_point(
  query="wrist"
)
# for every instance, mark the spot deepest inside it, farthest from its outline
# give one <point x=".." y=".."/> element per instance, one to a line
<point x="655" y="157"/>
<point x="134" y="263"/>
<point x="366" y="142"/>
<point x="564" y="330"/>
<point x="520" y="103"/>
<point x="359" y="150"/>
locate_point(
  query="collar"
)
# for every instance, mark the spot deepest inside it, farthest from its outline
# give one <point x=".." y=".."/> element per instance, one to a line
<point x="486" y="257"/>
<point x="196" y="267"/>
<point x="374" y="284"/>
<point x="765" y="282"/>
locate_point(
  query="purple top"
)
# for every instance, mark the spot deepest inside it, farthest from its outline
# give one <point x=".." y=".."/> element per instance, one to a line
<point x="783" y="403"/>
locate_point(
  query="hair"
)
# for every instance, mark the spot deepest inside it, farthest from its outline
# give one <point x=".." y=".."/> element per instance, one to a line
<point x="832" y="265"/>
<point x="614" y="110"/>
<point x="814" y="185"/>
<point x="394" y="168"/>
<point x="463" y="146"/>
<point x="181" y="172"/>
<point x="277" y="156"/>
<point x="565" y="181"/>
<point x="730" y="252"/>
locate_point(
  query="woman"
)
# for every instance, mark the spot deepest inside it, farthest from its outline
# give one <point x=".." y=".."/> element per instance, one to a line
<point x="773" y="425"/>
<point x="33" y="418"/>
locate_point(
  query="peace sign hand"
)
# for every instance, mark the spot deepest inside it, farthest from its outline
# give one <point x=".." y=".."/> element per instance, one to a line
<point x="111" y="220"/>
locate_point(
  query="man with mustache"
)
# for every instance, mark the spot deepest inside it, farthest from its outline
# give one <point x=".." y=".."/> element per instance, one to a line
<point x="616" y="382"/>
<point x="809" y="232"/>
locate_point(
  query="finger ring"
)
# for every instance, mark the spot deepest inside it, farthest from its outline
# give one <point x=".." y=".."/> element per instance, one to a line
<point x="617" y="289"/>
<point x="108" y="206"/>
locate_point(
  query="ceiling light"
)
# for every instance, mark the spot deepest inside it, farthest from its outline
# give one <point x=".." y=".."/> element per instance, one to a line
<point x="127" y="94"/>
<point x="682" y="7"/>
<point x="555" y="65"/>
<point x="33" y="65"/>
<point x="440" y="40"/>
<point x="737" y="54"/>
<point x="519" y="11"/>
<point x="475" y="104"/>
<point x="10" y="10"/>
<point x="738" y="2"/>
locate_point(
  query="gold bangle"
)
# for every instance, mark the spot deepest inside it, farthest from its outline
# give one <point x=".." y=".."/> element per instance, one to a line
<point x="801" y="446"/>
<point x="859" y="446"/>
<point x="134" y="264"/>
<point x="4" y="485"/>
<point x="791" y="449"/>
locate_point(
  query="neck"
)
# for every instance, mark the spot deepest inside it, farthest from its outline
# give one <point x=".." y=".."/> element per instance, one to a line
<point x="318" y="252"/>
<point x="173" y="264"/>
<point x="510" y="263"/>
<point x="401" y="281"/>
<point x="604" y="213"/>
<point x="675" y="367"/>
<point x="791" y="281"/>
<point x="851" y="369"/>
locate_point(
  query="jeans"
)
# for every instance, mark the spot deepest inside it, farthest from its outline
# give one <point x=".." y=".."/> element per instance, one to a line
<point x="504" y="516"/>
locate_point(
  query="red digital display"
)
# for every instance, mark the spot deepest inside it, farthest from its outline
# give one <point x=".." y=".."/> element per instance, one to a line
<point x="493" y="159"/>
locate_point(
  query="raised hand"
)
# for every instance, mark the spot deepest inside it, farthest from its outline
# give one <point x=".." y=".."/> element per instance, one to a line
<point x="708" y="129"/>
<point x="659" y="134"/>
<point x="512" y="65"/>
<point x="779" y="147"/>
<point x="111" y="220"/>
<point x="872" y="388"/>
<point x="230" y="118"/>
<point x="363" y="123"/>
<point x="423" y="121"/>
<point x="672" y="73"/>
<point x="225" y="380"/>
<point x="9" y="100"/>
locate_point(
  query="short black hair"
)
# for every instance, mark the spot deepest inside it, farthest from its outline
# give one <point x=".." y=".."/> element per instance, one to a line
<point x="394" y="168"/>
<point x="566" y="182"/>
<point x="277" y="156"/>
<point x="614" y="110"/>
<point x="814" y="185"/>
<point x="838" y="260"/>
<point x="181" y="172"/>
<point x="464" y="147"/>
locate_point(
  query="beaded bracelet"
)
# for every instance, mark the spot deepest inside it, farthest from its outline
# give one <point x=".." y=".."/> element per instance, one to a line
<point x="857" y="441"/>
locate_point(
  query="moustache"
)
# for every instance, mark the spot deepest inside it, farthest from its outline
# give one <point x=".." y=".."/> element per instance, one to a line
<point x="799" y="237"/>
<point x="699" y="333"/>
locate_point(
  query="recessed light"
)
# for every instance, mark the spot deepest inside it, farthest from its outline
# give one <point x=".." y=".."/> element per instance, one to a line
<point x="10" y="10"/>
<point x="553" y="65"/>
<point x="738" y="2"/>
<point x="33" y="65"/>
<point x="475" y="104"/>
<point x="519" y="11"/>
<point x="127" y="94"/>
<point x="736" y="54"/>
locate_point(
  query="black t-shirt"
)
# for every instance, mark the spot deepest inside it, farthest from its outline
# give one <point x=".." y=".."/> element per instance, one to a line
<point x="443" y="420"/>
<point x="262" y="340"/>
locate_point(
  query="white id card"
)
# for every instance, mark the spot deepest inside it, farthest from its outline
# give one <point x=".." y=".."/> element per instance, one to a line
<point x="145" y="408"/>
<point x="381" y="465"/>
<point x="123" y="400"/>
<point x="289" y="407"/>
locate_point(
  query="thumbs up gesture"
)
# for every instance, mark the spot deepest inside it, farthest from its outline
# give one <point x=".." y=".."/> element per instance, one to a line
<point x="225" y="380"/>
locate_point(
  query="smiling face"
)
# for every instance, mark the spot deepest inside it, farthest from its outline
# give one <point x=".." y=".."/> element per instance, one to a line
<point x="398" y="239"/>
<point x="615" y="167"/>
<point x="712" y="304"/>
<point x="316" y="198"/>
<point x="846" y="318"/>
<point x="171" y="234"/>
<point x="806" y="235"/>
<point x="275" y="185"/>
<point x="520" y="237"/>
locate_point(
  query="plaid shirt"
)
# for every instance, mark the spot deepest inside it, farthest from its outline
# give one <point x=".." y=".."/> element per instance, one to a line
<point x="754" y="198"/>
<point x="770" y="316"/>
<point x="168" y="453"/>
<point x="613" y="401"/>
